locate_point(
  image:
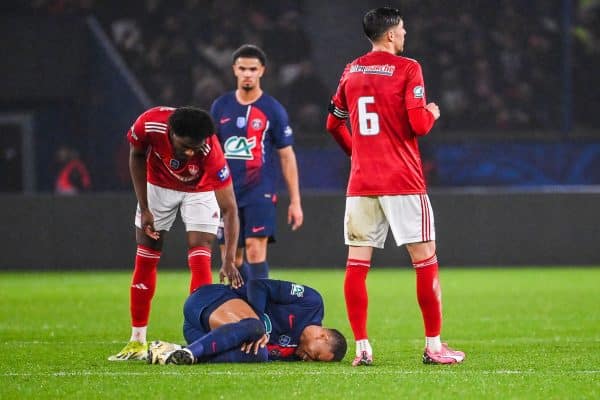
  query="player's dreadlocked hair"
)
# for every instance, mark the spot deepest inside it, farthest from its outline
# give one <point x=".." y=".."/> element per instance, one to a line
<point x="377" y="21"/>
<point x="338" y="344"/>
<point x="250" y="51"/>
<point x="191" y="122"/>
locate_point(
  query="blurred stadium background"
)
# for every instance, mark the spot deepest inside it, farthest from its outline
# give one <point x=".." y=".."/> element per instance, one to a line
<point x="513" y="164"/>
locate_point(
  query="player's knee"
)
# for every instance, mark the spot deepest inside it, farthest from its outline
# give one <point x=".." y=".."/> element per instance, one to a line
<point x="254" y="327"/>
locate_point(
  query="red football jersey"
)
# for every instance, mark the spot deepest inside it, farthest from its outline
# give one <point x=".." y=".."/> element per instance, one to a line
<point x="376" y="91"/>
<point x="201" y="173"/>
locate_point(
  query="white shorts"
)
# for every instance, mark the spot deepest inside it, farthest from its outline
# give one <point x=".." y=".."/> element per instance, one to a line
<point x="199" y="211"/>
<point x="368" y="219"/>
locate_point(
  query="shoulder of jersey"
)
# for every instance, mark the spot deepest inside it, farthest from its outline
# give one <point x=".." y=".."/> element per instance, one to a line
<point x="161" y="112"/>
<point x="407" y="60"/>
<point x="225" y="97"/>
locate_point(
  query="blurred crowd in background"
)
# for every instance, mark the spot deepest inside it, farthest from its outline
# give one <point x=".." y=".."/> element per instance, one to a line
<point x="502" y="71"/>
<point x="493" y="64"/>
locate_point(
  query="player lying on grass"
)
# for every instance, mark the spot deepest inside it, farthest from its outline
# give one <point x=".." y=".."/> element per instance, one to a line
<point x="261" y="321"/>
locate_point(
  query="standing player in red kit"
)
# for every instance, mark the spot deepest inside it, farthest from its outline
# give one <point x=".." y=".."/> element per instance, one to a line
<point x="176" y="163"/>
<point x="384" y="96"/>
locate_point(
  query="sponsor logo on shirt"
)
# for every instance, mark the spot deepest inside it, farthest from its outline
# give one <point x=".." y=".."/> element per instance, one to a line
<point x="268" y="325"/>
<point x="223" y="173"/>
<point x="239" y="147"/>
<point x="387" y="70"/>
<point x="224" y="120"/>
<point x="257" y="124"/>
<point x="297" y="290"/>
<point x="419" y="92"/>
<point x="287" y="131"/>
<point x="240" y="122"/>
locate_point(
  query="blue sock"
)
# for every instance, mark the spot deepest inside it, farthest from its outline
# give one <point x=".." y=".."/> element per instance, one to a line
<point x="235" y="355"/>
<point x="259" y="270"/>
<point x="245" y="271"/>
<point x="227" y="337"/>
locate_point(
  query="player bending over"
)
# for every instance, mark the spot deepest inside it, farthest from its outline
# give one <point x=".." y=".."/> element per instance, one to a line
<point x="176" y="163"/>
<point x="264" y="320"/>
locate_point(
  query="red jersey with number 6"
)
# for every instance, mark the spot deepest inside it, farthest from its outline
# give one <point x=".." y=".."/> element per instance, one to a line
<point x="376" y="91"/>
<point x="200" y="173"/>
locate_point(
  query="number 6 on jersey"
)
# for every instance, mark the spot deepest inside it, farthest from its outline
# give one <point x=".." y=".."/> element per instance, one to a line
<point x="368" y="122"/>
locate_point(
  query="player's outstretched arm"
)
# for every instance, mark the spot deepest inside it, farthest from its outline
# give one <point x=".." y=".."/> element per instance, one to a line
<point x="227" y="204"/>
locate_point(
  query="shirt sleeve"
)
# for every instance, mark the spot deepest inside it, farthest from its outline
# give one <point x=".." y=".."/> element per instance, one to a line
<point x="283" y="135"/>
<point x="260" y="292"/>
<point x="338" y="106"/>
<point x="137" y="133"/>
<point x="216" y="169"/>
<point x="415" y="87"/>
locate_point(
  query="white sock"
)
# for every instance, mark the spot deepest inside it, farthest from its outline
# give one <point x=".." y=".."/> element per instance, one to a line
<point x="433" y="343"/>
<point x="363" y="345"/>
<point x="138" y="334"/>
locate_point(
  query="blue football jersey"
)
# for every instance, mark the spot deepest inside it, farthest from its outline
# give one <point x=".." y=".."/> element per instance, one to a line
<point x="286" y="309"/>
<point x="249" y="135"/>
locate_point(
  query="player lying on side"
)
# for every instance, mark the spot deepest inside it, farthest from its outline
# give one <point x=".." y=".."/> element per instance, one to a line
<point x="264" y="320"/>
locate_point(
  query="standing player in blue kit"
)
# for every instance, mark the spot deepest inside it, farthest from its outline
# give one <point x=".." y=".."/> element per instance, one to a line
<point x="253" y="127"/>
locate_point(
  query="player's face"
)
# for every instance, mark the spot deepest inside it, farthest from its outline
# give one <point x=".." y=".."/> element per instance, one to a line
<point x="248" y="72"/>
<point x="398" y="34"/>
<point x="317" y="348"/>
<point x="185" y="147"/>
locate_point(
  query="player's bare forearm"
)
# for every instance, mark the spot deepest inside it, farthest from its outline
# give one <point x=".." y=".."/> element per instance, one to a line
<point x="289" y="170"/>
<point x="137" y="170"/>
<point x="231" y="227"/>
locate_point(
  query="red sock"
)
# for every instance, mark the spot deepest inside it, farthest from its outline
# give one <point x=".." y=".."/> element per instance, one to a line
<point x="357" y="299"/>
<point x="199" y="263"/>
<point x="429" y="295"/>
<point x="143" y="285"/>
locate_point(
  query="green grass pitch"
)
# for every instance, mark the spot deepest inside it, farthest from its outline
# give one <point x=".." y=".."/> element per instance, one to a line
<point x="528" y="333"/>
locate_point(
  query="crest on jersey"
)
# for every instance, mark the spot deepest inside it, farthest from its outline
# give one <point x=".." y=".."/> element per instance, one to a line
<point x="297" y="290"/>
<point x="285" y="340"/>
<point x="223" y="173"/>
<point x="175" y="164"/>
<point x="240" y="122"/>
<point x="257" y="124"/>
<point x="287" y="131"/>
<point x="419" y="92"/>
<point x="239" y="148"/>
<point x="193" y="169"/>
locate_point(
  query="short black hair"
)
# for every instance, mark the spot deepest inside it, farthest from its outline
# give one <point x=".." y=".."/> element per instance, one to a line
<point x="377" y="21"/>
<point x="250" y="51"/>
<point x="191" y="122"/>
<point x="338" y="344"/>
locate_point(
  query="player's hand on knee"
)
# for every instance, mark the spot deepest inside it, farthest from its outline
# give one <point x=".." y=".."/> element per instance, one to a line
<point x="255" y="346"/>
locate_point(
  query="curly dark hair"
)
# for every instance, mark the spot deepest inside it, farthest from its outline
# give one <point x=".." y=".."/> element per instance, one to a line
<point x="191" y="122"/>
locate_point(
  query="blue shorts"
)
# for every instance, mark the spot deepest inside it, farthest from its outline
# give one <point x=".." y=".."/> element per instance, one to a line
<point x="200" y="305"/>
<point x="256" y="220"/>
